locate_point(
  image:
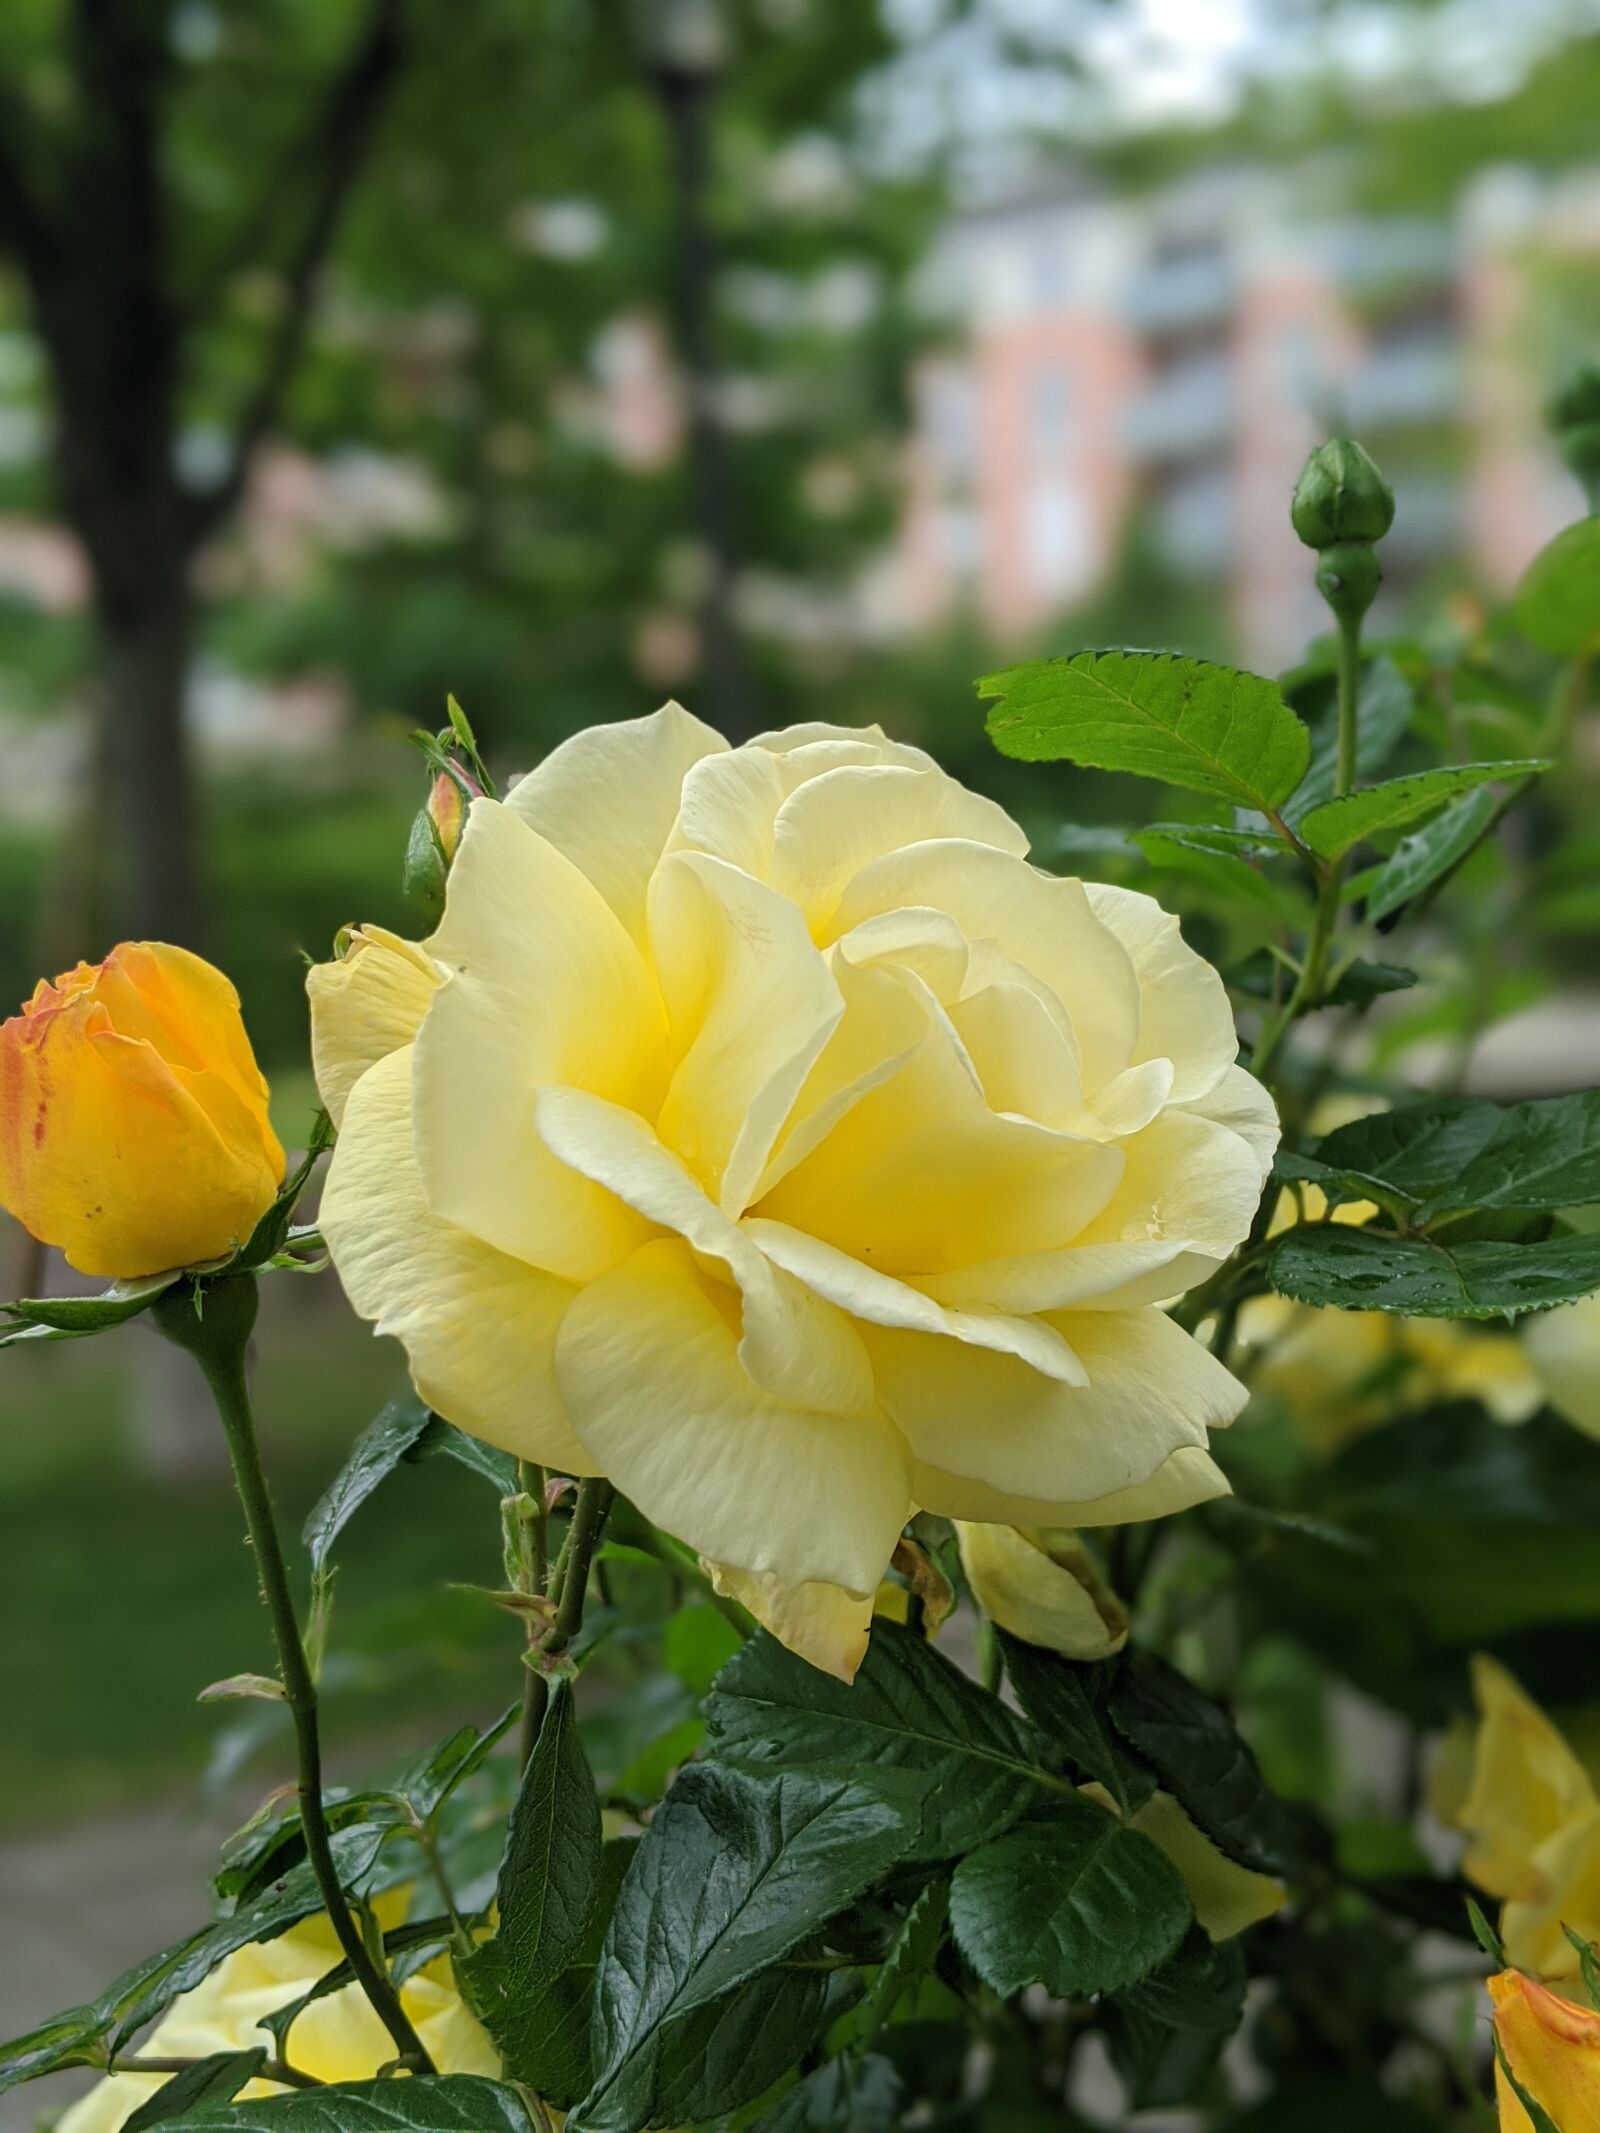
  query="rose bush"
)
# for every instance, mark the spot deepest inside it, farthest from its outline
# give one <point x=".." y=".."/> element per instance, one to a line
<point x="761" y="1130"/>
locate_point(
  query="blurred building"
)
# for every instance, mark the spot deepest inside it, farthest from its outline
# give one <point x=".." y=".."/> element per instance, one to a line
<point x="1176" y="357"/>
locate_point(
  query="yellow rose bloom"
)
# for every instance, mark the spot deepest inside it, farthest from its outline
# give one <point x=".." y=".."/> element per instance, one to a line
<point x="338" y="2038"/>
<point x="1552" y="2047"/>
<point x="761" y="1130"/>
<point x="133" y="1116"/>
<point x="1532" y="1819"/>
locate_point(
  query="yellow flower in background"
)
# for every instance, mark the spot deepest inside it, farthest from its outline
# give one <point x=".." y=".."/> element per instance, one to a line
<point x="1564" y="1347"/>
<point x="1553" y="2049"/>
<point x="1044" y="1586"/>
<point x="1338" y="1374"/>
<point x="761" y="1130"/>
<point x="338" y="2038"/>
<point x="1532" y="1819"/>
<point x="133" y="1117"/>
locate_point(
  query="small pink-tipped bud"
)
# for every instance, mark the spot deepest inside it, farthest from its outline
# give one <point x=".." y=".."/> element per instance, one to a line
<point x="436" y="834"/>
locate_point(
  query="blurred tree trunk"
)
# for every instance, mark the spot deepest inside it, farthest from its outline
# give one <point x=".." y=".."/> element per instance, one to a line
<point x="86" y="213"/>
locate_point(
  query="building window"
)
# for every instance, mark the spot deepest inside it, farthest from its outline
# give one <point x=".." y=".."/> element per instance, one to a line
<point x="1059" y="548"/>
<point x="1048" y="400"/>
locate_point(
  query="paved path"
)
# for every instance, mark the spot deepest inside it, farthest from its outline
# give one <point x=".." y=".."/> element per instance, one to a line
<point x="78" y="1905"/>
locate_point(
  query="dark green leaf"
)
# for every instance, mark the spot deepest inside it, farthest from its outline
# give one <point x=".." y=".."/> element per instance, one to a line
<point x="1067" y="1701"/>
<point x="1167" y="2032"/>
<point x="434" y="1776"/>
<point x="1484" y="1934"/>
<point x="1425" y="1277"/>
<point x="845" y="2096"/>
<point x="733" y="1871"/>
<point x="1078" y="1903"/>
<point x="1430" y="855"/>
<point x="1429" y="1159"/>
<point x="1359" y="983"/>
<point x="912" y="1952"/>
<point x="549" y="1882"/>
<point x="1339" y="825"/>
<point x="908" y="1709"/>
<point x="1558" y="602"/>
<point x="1211" y="729"/>
<point x="444" y="2103"/>
<point x="376" y="1453"/>
<point x="1196" y="1751"/>
<point x="727" y="2054"/>
<point x="442" y="1439"/>
<point x="217" y="2079"/>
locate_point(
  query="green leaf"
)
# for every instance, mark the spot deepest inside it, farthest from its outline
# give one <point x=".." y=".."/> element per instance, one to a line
<point x="1078" y="1903"/>
<point x="1067" y="1700"/>
<point x="431" y="1779"/>
<point x="1359" y="983"/>
<point x="732" y="1873"/>
<point x="1211" y="729"/>
<point x="1429" y="856"/>
<point x="908" y="1709"/>
<point x="1383" y="713"/>
<point x="1338" y="826"/>
<point x="1428" y="1277"/>
<point x="1588" y="1955"/>
<point x="374" y="1456"/>
<point x="1429" y="1159"/>
<point x="217" y="2079"/>
<point x="729" y="2053"/>
<point x="434" y="2103"/>
<point x="548" y="1885"/>
<point x="1167" y="2032"/>
<point x="848" y="2095"/>
<point x="1196" y="1751"/>
<point x="1485" y="1935"/>
<point x="442" y="1439"/>
<point x="912" y="1952"/>
<point x="114" y="1306"/>
<point x="1557" y="604"/>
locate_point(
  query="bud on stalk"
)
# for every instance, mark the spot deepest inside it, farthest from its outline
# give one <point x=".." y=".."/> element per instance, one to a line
<point x="1342" y="505"/>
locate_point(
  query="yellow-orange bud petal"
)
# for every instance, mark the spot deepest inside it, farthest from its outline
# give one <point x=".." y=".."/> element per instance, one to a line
<point x="133" y="1116"/>
<point x="1552" y="2047"/>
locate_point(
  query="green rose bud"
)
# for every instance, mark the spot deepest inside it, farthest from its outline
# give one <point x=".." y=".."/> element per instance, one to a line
<point x="1348" y="577"/>
<point x="1341" y="496"/>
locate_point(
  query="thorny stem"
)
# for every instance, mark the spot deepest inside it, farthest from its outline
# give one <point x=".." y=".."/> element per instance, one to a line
<point x="289" y="2077"/>
<point x="534" y="1572"/>
<point x="214" y="1323"/>
<point x="569" y="1588"/>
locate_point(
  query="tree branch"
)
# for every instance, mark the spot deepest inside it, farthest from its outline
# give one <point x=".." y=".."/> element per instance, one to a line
<point x="337" y="147"/>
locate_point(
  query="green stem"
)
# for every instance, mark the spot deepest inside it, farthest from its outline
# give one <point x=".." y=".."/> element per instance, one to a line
<point x="1313" y="978"/>
<point x="289" y="2077"/>
<point x="213" y="1323"/>
<point x="535" y="1576"/>
<point x="570" y="1589"/>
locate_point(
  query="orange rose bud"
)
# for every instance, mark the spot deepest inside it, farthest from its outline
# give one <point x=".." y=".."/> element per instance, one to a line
<point x="1552" y="2048"/>
<point x="133" y="1116"/>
